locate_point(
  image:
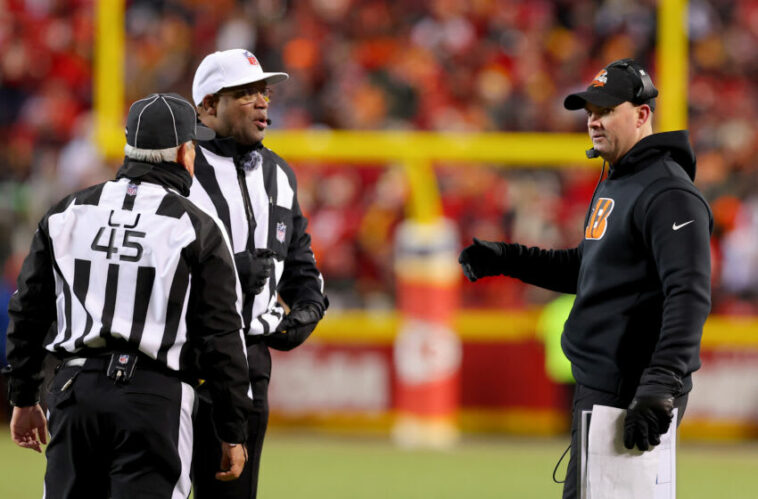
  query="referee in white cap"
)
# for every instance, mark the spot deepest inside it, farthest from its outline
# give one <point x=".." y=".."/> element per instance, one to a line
<point x="254" y="193"/>
<point x="140" y="287"/>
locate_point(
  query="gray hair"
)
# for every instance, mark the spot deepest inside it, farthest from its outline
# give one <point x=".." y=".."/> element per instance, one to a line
<point x="170" y="154"/>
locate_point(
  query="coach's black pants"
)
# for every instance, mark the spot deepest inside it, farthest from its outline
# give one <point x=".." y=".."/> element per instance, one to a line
<point x="207" y="453"/>
<point x="118" y="440"/>
<point x="584" y="399"/>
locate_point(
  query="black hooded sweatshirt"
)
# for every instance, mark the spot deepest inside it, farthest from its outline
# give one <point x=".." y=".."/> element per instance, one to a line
<point x="641" y="275"/>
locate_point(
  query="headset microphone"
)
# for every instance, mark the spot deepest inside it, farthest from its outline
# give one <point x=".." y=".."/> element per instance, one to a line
<point x="268" y="121"/>
<point x="592" y="153"/>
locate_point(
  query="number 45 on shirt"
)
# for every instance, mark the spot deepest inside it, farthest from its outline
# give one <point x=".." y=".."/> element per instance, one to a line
<point x="129" y="234"/>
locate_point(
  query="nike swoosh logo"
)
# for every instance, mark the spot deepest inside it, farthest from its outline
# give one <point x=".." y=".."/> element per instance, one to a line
<point x="677" y="227"/>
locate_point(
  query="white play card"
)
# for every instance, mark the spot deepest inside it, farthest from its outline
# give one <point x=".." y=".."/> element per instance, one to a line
<point x="610" y="470"/>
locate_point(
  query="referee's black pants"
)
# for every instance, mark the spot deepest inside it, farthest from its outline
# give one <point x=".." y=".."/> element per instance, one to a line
<point x="118" y="441"/>
<point x="584" y="398"/>
<point x="206" y="459"/>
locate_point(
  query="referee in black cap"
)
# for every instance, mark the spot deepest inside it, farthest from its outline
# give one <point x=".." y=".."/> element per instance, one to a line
<point x="140" y="288"/>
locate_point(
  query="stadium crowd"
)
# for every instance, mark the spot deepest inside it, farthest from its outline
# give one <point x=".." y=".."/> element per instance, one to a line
<point x="439" y="65"/>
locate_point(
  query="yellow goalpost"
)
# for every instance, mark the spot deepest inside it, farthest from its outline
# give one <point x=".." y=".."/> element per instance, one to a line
<point x="417" y="150"/>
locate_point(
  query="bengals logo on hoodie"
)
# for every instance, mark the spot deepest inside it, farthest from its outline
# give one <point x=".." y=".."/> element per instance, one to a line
<point x="599" y="219"/>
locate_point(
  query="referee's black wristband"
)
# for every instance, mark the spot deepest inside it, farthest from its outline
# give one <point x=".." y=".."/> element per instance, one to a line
<point x="20" y="397"/>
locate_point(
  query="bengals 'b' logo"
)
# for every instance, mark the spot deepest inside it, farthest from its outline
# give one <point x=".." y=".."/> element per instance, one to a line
<point x="599" y="219"/>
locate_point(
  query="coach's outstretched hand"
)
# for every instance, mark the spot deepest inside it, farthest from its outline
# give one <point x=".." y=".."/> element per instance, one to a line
<point x="482" y="259"/>
<point x="647" y="418"/>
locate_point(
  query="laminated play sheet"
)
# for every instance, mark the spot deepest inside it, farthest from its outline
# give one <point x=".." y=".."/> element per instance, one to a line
<point x="610" y="470"/>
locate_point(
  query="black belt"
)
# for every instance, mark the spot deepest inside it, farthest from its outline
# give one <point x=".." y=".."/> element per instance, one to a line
<point x="74" y="362"/>
<point x="101" y="360"/>
<point x="104" y="362"/>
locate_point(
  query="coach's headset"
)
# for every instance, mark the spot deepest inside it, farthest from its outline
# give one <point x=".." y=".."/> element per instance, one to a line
<point x="644" y="90"/>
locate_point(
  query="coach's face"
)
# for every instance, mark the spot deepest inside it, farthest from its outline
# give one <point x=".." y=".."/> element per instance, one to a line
<point x="238" y="112"/>
<point x="614" y="130"/>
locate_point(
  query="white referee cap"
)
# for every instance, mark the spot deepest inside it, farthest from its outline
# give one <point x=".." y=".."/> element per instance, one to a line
<point x="229" y="68"/>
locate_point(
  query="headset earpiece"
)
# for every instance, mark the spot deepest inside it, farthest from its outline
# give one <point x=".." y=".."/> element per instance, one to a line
<point x="645" y="90"/>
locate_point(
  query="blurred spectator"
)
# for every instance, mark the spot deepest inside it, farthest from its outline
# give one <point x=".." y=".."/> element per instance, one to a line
<point x="443" y="65"/>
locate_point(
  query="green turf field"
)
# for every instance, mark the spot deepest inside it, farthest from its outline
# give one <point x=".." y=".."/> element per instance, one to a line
<point x="313" y="466"/>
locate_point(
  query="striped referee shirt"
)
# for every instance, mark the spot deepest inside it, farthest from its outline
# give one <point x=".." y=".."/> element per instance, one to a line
<point x="131" y="264"/>
<point x="253" y="192"/>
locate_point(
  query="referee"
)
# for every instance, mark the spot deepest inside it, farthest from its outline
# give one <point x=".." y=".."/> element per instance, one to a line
<point x="142" y="291"/>
<point x="253" y="191"/>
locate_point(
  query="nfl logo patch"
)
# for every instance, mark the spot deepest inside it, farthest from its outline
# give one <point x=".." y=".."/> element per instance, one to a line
<point x="251" y="58"/>
<point x="131" y="189"/>
<point x="281" y="231"/>
<point x="123" y="359"/>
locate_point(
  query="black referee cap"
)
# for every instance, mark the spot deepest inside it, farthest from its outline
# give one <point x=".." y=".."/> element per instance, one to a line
<point x="162" y="121"/>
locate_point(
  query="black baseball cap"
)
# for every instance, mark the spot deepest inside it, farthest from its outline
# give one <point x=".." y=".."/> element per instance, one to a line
<point x="162" y="121"/>
<point x="620" y="81"/>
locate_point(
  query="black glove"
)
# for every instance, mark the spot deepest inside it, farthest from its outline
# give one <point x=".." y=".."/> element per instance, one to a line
<point x="254" y="268"/>
<point x="482" y="259"/>
<point x="647" y="418"/>
<point x="651" y="411"/>
<point x="296" y="327"/>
